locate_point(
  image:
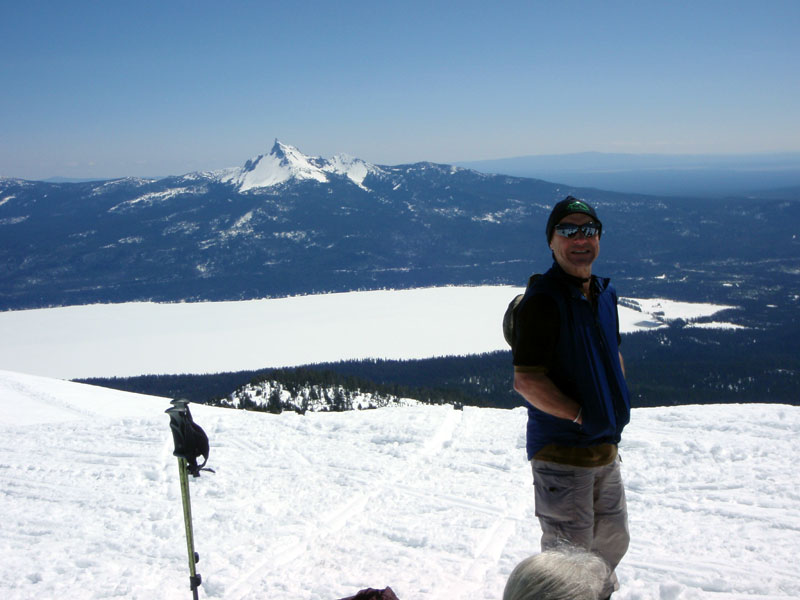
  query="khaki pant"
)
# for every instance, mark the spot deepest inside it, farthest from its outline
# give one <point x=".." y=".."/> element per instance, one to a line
<point x="585" y="507"/>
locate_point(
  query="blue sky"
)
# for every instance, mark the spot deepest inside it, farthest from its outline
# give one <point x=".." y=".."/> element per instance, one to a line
<point x="113" y="88"/>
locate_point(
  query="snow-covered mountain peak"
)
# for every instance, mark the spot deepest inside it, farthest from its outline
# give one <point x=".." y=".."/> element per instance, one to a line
<point x="281" y="149"/>
<point x="285" y="162"/>
<point x="290" y="156"/>
<point x="353" y="168"/>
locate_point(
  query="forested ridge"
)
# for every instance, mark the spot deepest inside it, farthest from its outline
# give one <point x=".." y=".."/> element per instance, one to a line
<point x="679" y="365"/>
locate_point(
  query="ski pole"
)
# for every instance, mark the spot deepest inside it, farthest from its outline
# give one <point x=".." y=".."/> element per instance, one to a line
<point x="194" y="577"/>
<point x="190" y="442"/>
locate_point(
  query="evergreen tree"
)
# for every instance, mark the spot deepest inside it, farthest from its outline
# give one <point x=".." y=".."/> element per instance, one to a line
<point x="274" y="404"/>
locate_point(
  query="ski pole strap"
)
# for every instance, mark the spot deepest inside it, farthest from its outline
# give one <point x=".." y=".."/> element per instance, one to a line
<point x="190" y="440"/>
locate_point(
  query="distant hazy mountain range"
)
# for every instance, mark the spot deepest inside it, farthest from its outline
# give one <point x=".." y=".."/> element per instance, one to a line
<point x="710" y="175"/>
<point x="286" y="223"/>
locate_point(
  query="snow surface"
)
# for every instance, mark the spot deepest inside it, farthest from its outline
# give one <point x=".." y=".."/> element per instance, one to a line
<point x="353" y="168"/>
<point x="434" y="502"/>
<point x="106" y="340"/>
<point x="156" y="197"/>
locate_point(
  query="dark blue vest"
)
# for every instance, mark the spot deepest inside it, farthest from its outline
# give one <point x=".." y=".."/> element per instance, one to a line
<point x="587" y="366"/>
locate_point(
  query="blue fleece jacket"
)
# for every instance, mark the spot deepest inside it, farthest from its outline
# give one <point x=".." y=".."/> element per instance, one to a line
<point x="586" y="366"/>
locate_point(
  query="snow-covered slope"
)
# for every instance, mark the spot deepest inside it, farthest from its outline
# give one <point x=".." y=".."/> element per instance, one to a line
<point x="353" y="168"/>
<point x="285" y="163"/>
<point x="436" y="503"/>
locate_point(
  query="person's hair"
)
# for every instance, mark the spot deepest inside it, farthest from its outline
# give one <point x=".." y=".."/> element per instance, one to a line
<point x="564" y="573"/>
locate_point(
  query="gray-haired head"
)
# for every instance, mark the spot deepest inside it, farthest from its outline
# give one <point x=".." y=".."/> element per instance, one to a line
<point x="564" y="573"/>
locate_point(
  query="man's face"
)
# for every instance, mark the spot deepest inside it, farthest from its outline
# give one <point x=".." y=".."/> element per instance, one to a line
<point x="575" y="255"/>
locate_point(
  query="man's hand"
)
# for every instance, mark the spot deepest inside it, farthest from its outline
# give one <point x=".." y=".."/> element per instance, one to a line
<point x="540" y="392"/>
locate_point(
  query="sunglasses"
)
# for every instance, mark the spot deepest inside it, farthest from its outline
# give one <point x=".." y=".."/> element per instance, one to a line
<point x="568" y="230"/>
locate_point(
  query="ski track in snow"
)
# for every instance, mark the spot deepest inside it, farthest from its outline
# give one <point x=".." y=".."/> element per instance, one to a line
<point x="360" y="510"/>
<point x="434" y="502"/>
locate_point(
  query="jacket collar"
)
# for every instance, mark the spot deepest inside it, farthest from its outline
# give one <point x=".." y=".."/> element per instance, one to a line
<point x="575" y="283"/>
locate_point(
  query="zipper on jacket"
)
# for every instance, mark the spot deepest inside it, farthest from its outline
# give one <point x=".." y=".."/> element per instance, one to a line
<point x="611" y="375"/>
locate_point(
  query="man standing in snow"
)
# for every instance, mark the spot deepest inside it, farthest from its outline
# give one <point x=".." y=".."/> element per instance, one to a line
<point x="568" y="368"/>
